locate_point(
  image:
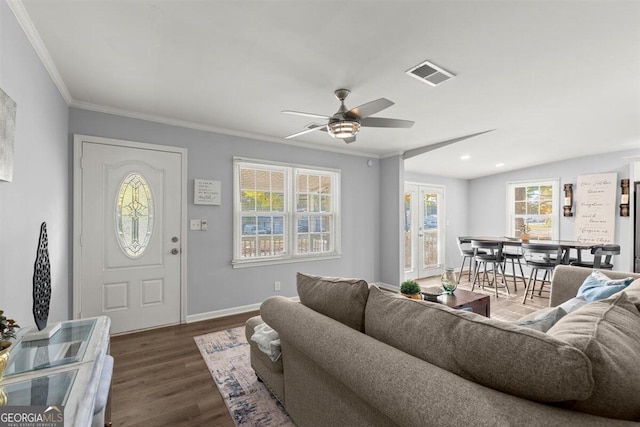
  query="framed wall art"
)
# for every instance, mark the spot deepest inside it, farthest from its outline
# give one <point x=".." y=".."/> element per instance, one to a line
<point x="7" y="135"/>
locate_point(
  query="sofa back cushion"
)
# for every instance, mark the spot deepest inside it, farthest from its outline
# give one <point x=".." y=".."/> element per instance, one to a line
<point x="608" y="332"/>
<point x="339" y="298"/>
<point x="496" y="354"/>
<point x="633" y="292"/>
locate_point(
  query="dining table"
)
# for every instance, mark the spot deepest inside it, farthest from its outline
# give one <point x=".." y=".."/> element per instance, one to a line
<point x="566" y="245"/>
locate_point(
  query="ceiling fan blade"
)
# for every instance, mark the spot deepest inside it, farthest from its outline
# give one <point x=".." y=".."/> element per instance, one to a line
<point x="380" y="122"/>
<point x="306" y="131"/>
<point x="369" y="109"/>
<point x="350" y="140"/>
<point x="421" y="150"/>
<point x="300" y="113"/>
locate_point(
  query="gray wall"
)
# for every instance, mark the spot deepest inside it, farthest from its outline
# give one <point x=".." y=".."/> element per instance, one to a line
<point x="371" y="198"/>
<point x="212" y="283"/>
<point x="456" y="199"/>
<point x="391" y="219"/>
<point x="487" y="197"/>
<point x="40" y="188"/>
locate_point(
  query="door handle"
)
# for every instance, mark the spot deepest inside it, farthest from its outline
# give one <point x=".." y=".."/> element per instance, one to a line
<point x="175" y="251"/>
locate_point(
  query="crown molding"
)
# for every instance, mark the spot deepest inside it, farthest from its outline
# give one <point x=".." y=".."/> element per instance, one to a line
<point x="207" y="128"/>
<point x="23" y="18"/>
<point x="32" y="34"/>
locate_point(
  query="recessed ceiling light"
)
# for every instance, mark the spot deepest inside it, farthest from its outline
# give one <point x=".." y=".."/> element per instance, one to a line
<point x="499" y="165"/>
<point x="465" y="157"/>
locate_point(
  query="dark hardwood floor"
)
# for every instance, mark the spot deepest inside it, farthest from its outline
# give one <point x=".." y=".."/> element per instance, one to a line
<point x="160" y="378"/>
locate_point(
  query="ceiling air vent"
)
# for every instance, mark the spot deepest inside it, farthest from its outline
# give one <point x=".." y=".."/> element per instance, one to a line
<point x="429" y="73"/>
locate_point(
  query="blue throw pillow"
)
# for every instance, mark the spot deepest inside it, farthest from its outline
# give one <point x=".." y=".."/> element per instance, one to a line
<point x="545" y="320"/>
<point x="573" y="304"/>
<point x="598" y="286"/>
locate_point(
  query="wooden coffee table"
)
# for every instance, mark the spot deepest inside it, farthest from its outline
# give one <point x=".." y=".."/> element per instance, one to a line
<point x="461" y="298"/>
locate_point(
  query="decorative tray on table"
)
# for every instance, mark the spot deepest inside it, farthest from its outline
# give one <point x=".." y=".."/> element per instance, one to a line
<point x="432" y="293"/>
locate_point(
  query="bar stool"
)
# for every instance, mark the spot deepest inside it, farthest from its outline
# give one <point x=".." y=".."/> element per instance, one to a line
<point x="566" y="254"/>
<point x="513" y="256"/>
<point x="493" y="255"/>
<point x="540" y="256"/>
<point x="467" y="253"/>
<point x="598" y="252"/>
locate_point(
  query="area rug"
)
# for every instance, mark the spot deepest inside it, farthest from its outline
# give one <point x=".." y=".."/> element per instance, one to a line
<point x="226" y="354"/>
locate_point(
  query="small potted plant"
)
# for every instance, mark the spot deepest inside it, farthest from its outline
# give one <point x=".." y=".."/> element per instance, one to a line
<point x="524" y="232"/>
<point x="411" y="289"/>
<point x="7" y="332"/>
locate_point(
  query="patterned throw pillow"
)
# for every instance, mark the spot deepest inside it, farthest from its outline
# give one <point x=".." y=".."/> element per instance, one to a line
<point x="544" y="321"/>
<point x="598" y="286"/>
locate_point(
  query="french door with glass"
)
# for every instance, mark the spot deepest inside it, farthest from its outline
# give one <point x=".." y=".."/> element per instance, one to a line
<point x="423" y="230"/>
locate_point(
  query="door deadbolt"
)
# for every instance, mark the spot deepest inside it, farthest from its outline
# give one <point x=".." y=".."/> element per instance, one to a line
<point x="174" y="239"/>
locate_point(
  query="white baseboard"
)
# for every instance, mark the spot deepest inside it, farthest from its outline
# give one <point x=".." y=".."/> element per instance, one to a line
<point x="227" y="312"/>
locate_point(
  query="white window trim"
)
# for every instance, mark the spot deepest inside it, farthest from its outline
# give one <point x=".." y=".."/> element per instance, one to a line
<point x="291" y="256"/>
<point x="555" y="183"/>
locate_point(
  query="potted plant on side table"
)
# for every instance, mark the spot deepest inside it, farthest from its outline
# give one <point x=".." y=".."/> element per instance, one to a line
<point x="7" y="332"/>
<point x="411" y="289"/>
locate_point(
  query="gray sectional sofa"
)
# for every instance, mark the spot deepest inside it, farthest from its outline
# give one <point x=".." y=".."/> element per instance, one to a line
<point x="354" y="355"/>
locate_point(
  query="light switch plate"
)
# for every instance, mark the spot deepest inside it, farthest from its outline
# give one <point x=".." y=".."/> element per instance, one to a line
<point x="203" y="225"/>
<point x="196" y="224"/>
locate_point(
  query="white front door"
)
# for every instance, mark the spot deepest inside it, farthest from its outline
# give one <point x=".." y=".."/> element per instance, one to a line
<point x="129" y="261"/>
<point x="424" y="230"/>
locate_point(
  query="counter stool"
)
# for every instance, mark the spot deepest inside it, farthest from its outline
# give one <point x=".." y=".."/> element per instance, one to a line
<point x="514" y="256"/>
<point x="492" y="255"/>
<point x="540" y="256"/>
<point x="598" y="252"/>
<point x="467" y="254"/>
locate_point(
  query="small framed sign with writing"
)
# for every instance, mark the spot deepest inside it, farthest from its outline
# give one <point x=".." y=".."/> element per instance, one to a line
<point x="206" y="192"/>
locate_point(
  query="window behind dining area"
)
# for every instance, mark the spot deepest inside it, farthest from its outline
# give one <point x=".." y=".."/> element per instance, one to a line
<point x="533" y="205"/>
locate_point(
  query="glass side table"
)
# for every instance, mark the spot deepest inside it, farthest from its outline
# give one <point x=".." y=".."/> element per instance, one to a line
<point x="51" y="389"/>
<point x="67" y="346"/>
<point x="64" y="370"/>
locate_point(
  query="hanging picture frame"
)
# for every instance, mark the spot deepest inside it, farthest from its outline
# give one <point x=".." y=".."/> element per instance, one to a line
<point x="7" y="135"/>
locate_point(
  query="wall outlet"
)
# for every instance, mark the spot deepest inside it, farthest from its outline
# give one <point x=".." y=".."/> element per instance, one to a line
<point x="196" y="224"/>
<point x="276" y="286"/>
<point x="203" y="225"/>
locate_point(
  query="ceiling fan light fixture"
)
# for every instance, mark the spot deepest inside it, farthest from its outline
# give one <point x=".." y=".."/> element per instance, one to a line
<point x="344" y="128"/>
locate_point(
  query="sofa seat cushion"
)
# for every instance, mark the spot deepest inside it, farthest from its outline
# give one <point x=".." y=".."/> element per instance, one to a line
<point x="496" y="354"/>
<point x="608" y="332"/>
<point x="336" y="297"/>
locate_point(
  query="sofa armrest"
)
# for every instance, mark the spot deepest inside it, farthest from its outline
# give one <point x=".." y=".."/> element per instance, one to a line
<point x="565" y="283"/>
<point x="567" y="280"/>
<point x="406" y="389"/>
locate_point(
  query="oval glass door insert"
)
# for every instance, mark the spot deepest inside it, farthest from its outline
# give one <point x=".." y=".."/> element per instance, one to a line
<point x="134" y="215"/>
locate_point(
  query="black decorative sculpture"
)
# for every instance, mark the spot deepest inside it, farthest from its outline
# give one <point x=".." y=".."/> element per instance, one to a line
<point x="42" y="280"/>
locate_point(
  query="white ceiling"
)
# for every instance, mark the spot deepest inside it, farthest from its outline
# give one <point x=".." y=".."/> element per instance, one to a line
<point x="555" y="79"/>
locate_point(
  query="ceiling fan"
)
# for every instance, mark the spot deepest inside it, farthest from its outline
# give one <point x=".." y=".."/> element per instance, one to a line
<point x="345" y="124"/>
